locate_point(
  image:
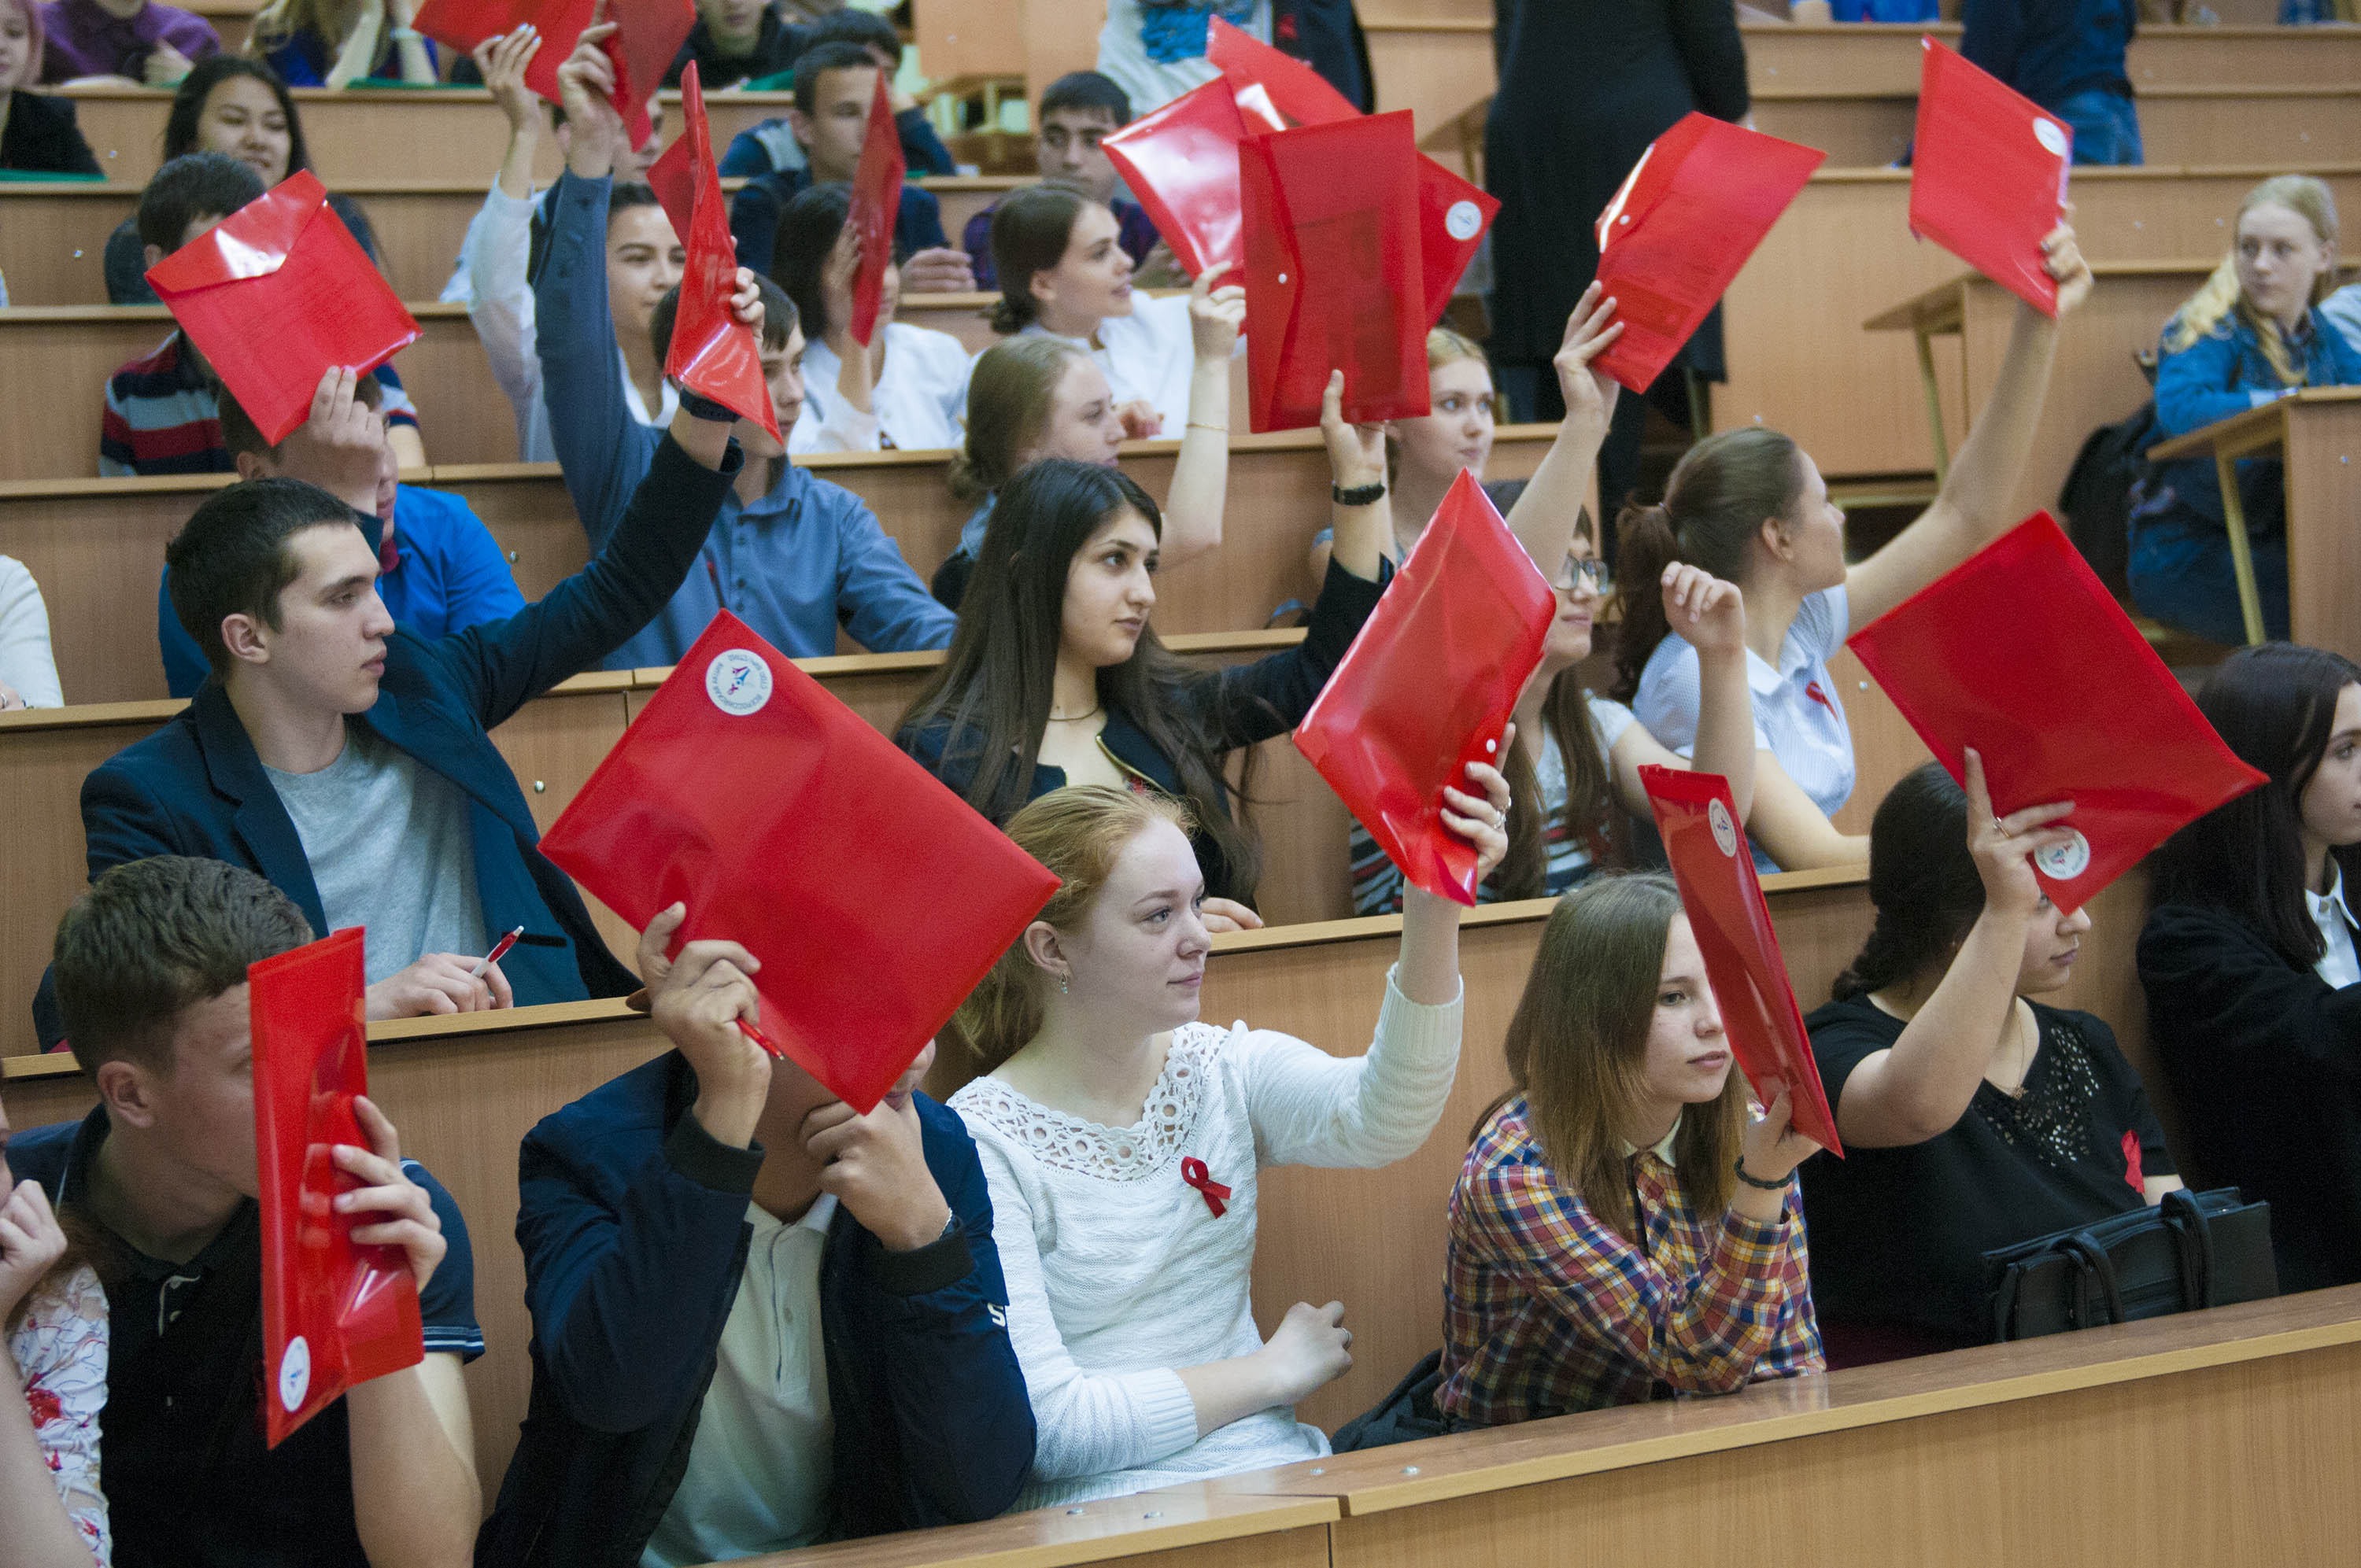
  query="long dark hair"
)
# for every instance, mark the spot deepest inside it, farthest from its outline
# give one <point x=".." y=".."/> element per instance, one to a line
<point x="189" y="105"/>
<point x="807" y="232"/>
<point x="1590" y="798"/>
<point x="1922" y="881"/>
<point x="2275" y="706"/>
<point x="1030" y="230"/>
<point x="1720" y="494"/>
<point x="993" y="694"/>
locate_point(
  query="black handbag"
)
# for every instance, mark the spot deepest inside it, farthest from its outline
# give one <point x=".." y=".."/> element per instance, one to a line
<point x="1406" y="1415"/>
<point x="2194" y="1249"/>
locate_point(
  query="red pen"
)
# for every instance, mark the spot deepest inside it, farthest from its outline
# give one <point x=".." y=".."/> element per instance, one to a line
<point x="499" y="951"/>
<point x="762" y="1039"/>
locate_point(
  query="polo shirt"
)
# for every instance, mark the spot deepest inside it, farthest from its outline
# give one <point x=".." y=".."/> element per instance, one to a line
<point x="2340" y="966"/>
<point x="82" y="37"/>
<point x="1798" y="716"/>
<point x="163" y="415"/>
<point x="188" y="1481"/>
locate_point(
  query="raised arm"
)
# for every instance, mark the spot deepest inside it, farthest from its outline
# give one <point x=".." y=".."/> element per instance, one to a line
<point x="1787" y="826"/>
<point x="1915" y="1088"/>
<point x="1974" y="505"/>
<point x="1543" y="518"/>
<point x="1192" y="507"/>
<point x="1711" y="615"/>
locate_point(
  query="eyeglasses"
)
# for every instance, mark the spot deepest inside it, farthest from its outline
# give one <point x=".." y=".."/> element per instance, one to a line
<point x="1595" y="573"/>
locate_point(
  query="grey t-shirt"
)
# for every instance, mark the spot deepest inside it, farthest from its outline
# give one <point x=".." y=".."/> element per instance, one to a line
<point x="392" y="849"/>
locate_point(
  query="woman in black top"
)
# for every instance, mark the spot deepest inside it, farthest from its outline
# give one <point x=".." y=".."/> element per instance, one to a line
<point x="1585" y="86"/>
<point x="1055" y="678"/>
<point x="1974" y="1118"/>
<point x="2248" y="959"/>
<point x="37" y="135"/>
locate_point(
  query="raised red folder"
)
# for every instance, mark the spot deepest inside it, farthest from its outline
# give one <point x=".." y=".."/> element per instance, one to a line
<point x="1293" y="88"/>
<point x="713" y="353"/>
<point x="1452" y="217"/>
<point x="1988" y="174"/>
<point x="335" y="1314"/>
<point x="877" y="205"/>
<point x="648" y="35"/>
<point x="2021" y="652"/>
<point x="874" y="897"/>
<point x="1181" y="161"/>
<point x="1719" y="893"/>
<point x="275" y="296"/>
<point x="1335" y="271"/>
<point x="1429" y="686"/>
<point x="1690" y="213"/>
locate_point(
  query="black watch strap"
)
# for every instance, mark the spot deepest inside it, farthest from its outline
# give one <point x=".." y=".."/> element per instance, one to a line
<point x="1360" y="495"/>
<point x="697" y="406"/>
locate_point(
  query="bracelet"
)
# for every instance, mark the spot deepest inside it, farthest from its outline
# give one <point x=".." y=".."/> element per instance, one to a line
<point x="1360" y="495"/>
<point x="700" y="407"/>
<point x="1201" y="424"/>
<point x="1739" y="1165"/>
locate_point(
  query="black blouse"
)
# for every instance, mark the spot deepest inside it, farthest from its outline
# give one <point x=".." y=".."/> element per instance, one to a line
<point x="42" y="138"/>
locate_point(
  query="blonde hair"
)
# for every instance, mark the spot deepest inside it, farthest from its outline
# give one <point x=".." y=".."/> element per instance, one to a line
<point x="1447" y="346"/>
<point x="1008" y="398"/>
<point x="280" y="20"/>
<point x="1078" y="833"/>
<point x="2220" y="293"/>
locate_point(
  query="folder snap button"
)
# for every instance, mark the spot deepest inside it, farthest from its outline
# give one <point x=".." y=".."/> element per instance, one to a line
<point x="539" y="788"/>
<point x="1409" y="1469"/>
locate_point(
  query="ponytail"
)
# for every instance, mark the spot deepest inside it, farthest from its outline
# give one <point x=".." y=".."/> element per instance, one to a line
<point x="1645" y="546"/>
<point x="1922" y="881"/>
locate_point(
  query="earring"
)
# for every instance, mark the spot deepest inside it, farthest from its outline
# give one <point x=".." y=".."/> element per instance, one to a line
<point x="1064" y="989"/>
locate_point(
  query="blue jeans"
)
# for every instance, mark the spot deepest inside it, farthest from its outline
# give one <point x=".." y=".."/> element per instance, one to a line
<point x="2180" y="574"/>
<point x="2105" y="124"/>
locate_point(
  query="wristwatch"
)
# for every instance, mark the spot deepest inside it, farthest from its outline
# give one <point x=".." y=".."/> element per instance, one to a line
<point x="1360" y="495"/>
<point x="697" y="406"/>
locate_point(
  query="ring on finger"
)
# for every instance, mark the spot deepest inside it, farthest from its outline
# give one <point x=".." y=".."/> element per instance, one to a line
<point x="1999" y="827"/>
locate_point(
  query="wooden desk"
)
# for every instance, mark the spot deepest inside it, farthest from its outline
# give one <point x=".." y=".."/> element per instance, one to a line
<point x="1187" y="1529"/>
<point x="1852" y="397"/>
<point x="1869" y="56"/>
<point x="2316" y="435"/>
<point x="2096" y="379"/>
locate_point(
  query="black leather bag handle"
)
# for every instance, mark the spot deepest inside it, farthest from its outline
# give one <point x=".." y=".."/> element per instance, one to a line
<point x="2095" y="1266"/>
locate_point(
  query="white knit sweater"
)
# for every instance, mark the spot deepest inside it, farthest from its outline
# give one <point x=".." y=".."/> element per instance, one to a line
<point x="1118" y="1272"/>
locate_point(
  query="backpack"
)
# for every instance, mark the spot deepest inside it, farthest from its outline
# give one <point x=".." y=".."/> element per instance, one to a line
<point x="2097" y="496"/>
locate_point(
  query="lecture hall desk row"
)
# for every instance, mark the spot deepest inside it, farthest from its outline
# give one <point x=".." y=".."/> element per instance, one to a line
<point x="96" y="546"/>
<point x="465" y="1091"/>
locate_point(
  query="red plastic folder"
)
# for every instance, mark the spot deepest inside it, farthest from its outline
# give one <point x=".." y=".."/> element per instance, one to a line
<point x="275" y="296"/>
<point x="1335" y="271"/>
<point x="1690" y="213"/>
<point x="713" y="353"/>
<point x="1988" y="174"/>
<point x="335" y="1314"/>
<point x="1429" y="686"/>
<point x="876" y="205"/>
<point x="1181" y="161"/>
<point x="647" y="36"/>
<point x="2021" y="652"/>
<point x="1452" y="217"/>
<point x="874" y="897"/>
<point x="1293" y="88"/>
<point x="1714" y="867"/>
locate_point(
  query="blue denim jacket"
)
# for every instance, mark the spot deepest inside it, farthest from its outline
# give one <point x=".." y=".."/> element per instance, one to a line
<point x="2224" y="373"/>
<point x="792" y="565"/>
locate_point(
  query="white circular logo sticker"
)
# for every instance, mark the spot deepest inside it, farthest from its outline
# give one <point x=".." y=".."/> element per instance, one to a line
<point x="1464" y="222"/>
<point x="1725" y="831"/>
<point x="738" y="680"/>
<point x="2064" y="862"/>
<point x="2051" y="135"/>
<point x="294" y="1374"/>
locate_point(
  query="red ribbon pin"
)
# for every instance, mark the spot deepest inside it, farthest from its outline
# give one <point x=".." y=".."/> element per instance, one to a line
<point x="1217" y="1196"/>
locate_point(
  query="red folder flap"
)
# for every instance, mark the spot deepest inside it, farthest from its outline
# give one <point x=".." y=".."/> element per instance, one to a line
<point x="1429" y="685"/>
<point x="713" y="353"/>
<point x="276" y="295"/>
<point x="1452" y="218"/>
<point x="874" y="897"/>
<point x="2021" y="652"/>
<point x="461" y="25"/>
<point x="1988" y="174"/>
<point x="1297" y="90"/>
<point x="1181" y="161"/>
<point x="1714" y="867"/>
<point x="648" y="35"/>
<point x="876" y="205"/>
<point x="334" y="1315"/>
<point x="1334" y="275"/>
<point x="1690" y="213"/>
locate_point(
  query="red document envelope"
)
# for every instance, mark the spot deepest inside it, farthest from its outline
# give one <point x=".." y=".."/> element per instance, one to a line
<point x="1181" y="161"/>
<point x="2021" y="652"/>
<point x="648" y="34"/>
<point x="1452" y="218"/>
<point x="1690" y="213"/>
<point x="713" y="353"/>
<point x="874" y="897"/>
<point x="1297" y="90"/>
<point x="1988" y="174"/>
<point x="277" y="294"/>
<point x="334" y="1314"/>
<point x="876" y="205"/>
<point x="1334" y="272"/>
<point x="1429" y="685"/>
<point x="1714" y="867"/>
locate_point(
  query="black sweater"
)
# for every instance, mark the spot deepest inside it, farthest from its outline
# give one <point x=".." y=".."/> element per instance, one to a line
<point x="42" y="138"/>
<point x="2265" y="1062"/>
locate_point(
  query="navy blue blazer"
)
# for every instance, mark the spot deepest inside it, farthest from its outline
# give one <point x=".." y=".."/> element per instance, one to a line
<point x="195" y="787"/>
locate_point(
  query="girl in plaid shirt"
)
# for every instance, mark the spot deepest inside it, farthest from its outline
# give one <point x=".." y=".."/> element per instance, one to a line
<point x="1621" y="1229"/>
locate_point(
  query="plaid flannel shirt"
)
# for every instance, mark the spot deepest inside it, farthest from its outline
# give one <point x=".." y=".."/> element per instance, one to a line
<point x="1547" y="1311"/>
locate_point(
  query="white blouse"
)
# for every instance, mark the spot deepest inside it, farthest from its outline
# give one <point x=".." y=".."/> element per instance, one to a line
<point x="918" y="405"/>
<point x="1147" y="356"/>
<point x="26" y="662"/>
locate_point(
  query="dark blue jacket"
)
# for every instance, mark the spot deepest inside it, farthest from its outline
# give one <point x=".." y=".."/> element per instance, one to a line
<point x="769" y="146"/>
<point x="2050" y="49"/>
<point x="755" y="212"/>
<point x="633" y="1226"/>
<point x="195" y="787"/>
<point x="2224" y="373"/>
<point x="447" y="576"/>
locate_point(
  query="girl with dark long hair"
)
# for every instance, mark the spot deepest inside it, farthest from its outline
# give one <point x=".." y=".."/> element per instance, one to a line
<point x="2254" y="993"/>
<point x="1973" y="1116"/>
